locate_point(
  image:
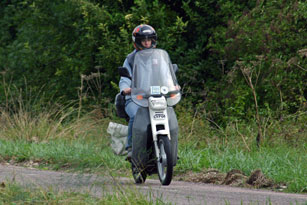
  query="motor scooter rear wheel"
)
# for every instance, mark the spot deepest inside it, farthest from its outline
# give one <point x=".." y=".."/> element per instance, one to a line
<point x="139" y="176"/>
<point x="165" y="160"/>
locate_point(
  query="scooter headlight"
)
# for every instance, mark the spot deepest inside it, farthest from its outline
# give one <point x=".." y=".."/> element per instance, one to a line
<point x="158" y="103"/>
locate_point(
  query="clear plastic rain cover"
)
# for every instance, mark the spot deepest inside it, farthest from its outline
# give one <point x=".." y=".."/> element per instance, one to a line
<point x="153" y="74"/>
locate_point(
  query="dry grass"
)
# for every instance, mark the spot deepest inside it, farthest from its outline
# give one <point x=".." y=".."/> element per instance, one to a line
<point x="45" y="125"/>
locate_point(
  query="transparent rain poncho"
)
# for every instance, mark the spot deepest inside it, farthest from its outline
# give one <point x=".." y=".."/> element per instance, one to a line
<point x="153" y="69"/>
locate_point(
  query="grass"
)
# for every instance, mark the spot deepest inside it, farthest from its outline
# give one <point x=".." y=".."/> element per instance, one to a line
<point x="14" y="194"/>
<point x="56" y="154"/>
<point x="281" y="164"/>
<point x="281" y="155"/>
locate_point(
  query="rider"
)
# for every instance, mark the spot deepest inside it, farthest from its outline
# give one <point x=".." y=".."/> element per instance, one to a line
<point x="144" y="37"/>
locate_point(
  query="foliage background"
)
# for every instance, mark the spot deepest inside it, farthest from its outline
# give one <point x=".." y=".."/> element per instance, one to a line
<point x="69" y="50"/>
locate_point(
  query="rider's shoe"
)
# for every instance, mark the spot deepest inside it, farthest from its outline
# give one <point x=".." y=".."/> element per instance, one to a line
<point x="129" y="154"/>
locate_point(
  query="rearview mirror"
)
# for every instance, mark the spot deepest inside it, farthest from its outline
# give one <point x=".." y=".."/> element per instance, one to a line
<point x="123" y="72"/>
<point x="175" y="68"/>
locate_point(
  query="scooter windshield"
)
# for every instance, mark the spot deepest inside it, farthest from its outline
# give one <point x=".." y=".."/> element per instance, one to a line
<point x="153" y="75"/>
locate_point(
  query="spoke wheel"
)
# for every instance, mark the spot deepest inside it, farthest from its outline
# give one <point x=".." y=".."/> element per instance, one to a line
<point x="165" y="161"/>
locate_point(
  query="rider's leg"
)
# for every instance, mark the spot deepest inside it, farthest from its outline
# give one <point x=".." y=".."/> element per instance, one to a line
<point x="131" y="109"/>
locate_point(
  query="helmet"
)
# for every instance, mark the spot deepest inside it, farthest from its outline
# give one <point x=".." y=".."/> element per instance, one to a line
<point x="142" y="32"/>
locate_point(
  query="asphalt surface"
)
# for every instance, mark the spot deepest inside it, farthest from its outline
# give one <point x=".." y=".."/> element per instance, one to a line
<point x="177" y="192"/>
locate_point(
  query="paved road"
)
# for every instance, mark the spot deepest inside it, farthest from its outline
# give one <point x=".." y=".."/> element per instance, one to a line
<point x="176" y="193"/>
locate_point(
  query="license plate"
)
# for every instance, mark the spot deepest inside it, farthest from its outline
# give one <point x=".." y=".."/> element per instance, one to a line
<point x="159" y="116"/>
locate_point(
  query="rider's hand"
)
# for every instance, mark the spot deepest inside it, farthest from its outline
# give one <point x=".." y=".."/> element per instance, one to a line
<point x="127" y="91"/>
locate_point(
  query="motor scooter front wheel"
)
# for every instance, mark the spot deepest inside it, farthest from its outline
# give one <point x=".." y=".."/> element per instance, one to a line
<point x="165" y="160"/>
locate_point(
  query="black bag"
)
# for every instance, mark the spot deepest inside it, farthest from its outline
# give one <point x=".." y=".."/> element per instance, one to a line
<point x="120" y="102"/>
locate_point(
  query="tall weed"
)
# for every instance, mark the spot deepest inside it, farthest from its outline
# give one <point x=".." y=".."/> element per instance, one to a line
<point x="198" y="128"/>
<point x="27" y="116"/>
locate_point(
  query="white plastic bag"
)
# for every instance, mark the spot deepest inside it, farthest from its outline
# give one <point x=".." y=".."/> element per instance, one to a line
<point x="118" y="134"/>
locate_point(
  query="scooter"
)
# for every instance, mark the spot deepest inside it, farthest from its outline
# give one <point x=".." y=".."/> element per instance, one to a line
<point x="155" y="128"/>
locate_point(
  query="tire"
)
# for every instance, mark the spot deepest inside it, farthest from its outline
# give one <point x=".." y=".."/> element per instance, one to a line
<point x="139" y="176"/>
<point x="165" y="161"/>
